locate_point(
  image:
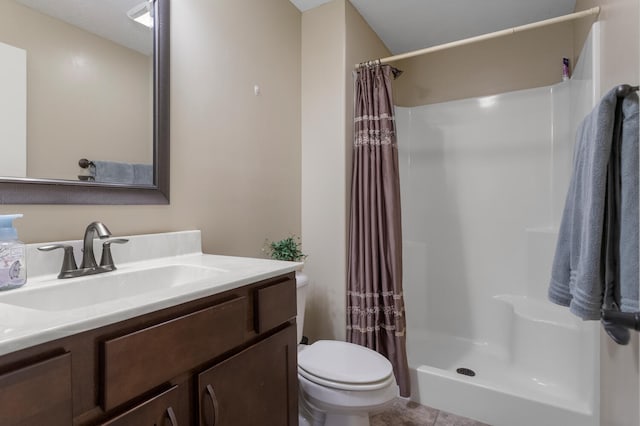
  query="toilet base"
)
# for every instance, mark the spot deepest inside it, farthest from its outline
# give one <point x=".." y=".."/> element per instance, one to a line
<point x="347" y="420"/>
<point x="302" y="421"/>
<point x="309" y="415"/>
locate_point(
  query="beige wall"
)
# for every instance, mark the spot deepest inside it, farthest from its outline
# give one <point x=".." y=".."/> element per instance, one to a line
<point x="334" y="37"/>
<point x="620" y="63"/>
<point x="323" y="168"/>
<point x="520" y="61"/>
<point x="620" y="40"/>
<point x="86" y="96"/>
<point x="235" y="157"/>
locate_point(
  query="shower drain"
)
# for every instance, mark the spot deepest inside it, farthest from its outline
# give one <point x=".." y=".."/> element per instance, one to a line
<point x="466" y="371"/>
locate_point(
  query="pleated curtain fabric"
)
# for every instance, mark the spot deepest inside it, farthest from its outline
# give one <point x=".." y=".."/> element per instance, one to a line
<point x="375" y="304"/>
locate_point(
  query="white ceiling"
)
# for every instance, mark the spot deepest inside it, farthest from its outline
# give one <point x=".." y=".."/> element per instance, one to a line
<point x="405" y="25"/>
<point x="308" y="4"/>
<point x="107" y="19"/>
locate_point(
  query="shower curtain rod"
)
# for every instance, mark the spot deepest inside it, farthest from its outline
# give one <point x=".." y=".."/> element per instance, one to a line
<point x="508" y="31"/>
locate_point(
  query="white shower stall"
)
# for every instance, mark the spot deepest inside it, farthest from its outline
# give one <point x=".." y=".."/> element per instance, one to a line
<point x="483" y="182"/>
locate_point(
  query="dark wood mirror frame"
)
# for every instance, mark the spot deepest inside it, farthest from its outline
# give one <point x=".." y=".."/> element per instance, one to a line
<point x="51" y="191"/>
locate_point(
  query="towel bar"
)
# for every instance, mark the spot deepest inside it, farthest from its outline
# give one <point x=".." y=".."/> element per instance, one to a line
<point x="616" y="323"/>
<point x="625" y="319"/>
<point x="624" y="89"/>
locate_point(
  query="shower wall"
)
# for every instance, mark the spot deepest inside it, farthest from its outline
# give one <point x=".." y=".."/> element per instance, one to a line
<point x="483" y="182"/>
<point x="475" y="175"/>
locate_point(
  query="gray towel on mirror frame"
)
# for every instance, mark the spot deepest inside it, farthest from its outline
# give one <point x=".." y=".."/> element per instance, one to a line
<point x="112" y="172"/>
<point x="143" y="174"/>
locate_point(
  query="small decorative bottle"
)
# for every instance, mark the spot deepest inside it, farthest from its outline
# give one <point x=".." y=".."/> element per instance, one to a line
<point x="566" y="72"/>
<point x="13" y="256"/>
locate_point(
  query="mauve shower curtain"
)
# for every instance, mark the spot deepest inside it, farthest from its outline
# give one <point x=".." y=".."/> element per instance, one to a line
<point x="375" y="305"/>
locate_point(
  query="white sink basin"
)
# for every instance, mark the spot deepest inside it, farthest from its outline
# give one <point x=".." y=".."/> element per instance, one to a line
<point x="81" y="292"/>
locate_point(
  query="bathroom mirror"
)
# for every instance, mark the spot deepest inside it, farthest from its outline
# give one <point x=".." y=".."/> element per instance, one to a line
<point x="107" y="100"/>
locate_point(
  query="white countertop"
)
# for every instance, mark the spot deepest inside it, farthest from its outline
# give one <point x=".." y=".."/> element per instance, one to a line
<point x="22" y="327"/>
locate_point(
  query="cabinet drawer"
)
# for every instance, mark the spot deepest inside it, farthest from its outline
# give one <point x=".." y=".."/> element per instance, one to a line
<point x="161" y="410"/>
<point x="137" y="362"/>
<point x="39" y="394"/>
<point x="275" y="305"/>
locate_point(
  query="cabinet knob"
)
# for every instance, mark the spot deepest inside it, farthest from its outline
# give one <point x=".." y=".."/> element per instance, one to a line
<point x="211" y="396"/>
<point x="171" y="416"/>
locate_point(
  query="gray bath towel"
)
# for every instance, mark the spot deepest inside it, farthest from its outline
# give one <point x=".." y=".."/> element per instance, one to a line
<point x="628" y="290"/>
<point x="577" y="276"/>
<point x="112" y="172"/>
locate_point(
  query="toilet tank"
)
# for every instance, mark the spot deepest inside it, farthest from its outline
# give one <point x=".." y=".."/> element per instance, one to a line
<point x="302" y="286"/>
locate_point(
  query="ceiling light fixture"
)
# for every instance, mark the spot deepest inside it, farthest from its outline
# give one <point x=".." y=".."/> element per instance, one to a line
<point x="141" y="13"/>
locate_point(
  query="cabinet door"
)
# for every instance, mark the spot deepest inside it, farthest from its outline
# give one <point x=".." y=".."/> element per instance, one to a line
<point x="258" y="386"/>
<point x="39" y="394"/>
<point x="161" y="410"/>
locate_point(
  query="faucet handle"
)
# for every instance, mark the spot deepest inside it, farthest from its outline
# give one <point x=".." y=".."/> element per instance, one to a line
<point x="69" y="260"/>
<point x="106" y="261"/>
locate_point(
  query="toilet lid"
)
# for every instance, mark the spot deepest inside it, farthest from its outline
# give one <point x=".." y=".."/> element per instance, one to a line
<point x="343" y="362"/>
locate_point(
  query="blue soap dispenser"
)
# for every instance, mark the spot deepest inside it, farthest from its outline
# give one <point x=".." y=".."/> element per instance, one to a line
<point x="13" y="254"/>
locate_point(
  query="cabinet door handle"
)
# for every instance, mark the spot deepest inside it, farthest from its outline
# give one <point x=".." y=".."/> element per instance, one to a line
<point x="171" y="416"/>
<point x="214" y="404"/>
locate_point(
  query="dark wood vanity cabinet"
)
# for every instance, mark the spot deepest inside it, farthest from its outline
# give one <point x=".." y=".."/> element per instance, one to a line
<point x="227" y="359"/>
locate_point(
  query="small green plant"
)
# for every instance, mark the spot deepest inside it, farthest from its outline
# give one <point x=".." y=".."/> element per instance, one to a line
<point x="286" y="249"/>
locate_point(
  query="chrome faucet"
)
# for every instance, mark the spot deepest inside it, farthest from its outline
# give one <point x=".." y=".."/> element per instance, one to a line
<point x="88" y="258"/>
<point x="88" y="265"/>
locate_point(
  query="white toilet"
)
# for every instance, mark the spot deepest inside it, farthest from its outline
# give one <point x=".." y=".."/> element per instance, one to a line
<point x="340" y="383"/>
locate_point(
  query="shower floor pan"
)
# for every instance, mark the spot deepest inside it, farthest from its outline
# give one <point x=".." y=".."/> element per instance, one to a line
<point x="523" y="382"/>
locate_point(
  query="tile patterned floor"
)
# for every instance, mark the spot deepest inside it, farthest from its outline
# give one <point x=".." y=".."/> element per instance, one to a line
<point x="409" y="413"/>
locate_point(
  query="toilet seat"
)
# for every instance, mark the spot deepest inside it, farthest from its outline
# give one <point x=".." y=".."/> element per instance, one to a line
<point x="345" y="366"/>
<point x="346" y="386"/>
